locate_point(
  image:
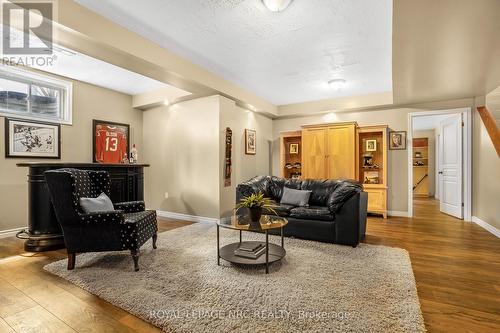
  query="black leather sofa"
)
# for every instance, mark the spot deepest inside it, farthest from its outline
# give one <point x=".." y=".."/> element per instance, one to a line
<point x="336" y="213"/>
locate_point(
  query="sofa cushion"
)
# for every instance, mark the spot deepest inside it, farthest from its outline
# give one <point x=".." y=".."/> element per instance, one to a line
<point x="321" y="190"/>
<point x="295" y="197"/>
<point x="100" y="204"/>
<point x="312" y="213"/>
<point x="280" y="209"/>
<point x="277" y="184"/>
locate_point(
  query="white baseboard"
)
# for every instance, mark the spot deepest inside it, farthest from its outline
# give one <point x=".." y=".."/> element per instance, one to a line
<point x="486" y="226"/>
<point x="10" y="232"/>
<point x="397" y="213"/>
<point x="186" y="217"/>
<point x="225" y="219"/>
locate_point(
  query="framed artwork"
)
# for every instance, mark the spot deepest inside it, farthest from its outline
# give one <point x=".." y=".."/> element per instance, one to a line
<point x="111" y="142"/>
<point x="370" y="177"/>
<point x="397" y="140"/>
<point x="250" y="142"/>
<point x="371" y="145"/>
<point x="32" y="139"/>
<point x="227" y="160"/>
<point x="294" y="148"/>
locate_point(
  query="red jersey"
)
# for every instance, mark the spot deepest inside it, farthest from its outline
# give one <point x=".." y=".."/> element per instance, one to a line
<point x="111" y="144"/>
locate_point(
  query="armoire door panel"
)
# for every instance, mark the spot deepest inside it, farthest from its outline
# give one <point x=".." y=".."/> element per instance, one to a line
<point x="341" y="152"/>
<point x="314" y="153"/>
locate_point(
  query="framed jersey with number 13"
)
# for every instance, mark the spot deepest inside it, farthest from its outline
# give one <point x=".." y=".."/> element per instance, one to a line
<point x="111" y="142"/>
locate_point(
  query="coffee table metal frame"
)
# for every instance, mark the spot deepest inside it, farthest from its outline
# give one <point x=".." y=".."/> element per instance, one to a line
<point x="273" y="253"/>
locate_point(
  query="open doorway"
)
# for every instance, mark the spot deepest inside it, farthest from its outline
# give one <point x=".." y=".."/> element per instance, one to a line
<point x="439" y="166"/>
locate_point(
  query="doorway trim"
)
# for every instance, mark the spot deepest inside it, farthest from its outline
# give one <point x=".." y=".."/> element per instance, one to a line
<point x="466" y="156"/>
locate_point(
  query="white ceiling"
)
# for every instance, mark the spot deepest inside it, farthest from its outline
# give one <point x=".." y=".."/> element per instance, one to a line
<point x="285" y="57"/>
<point x="445" y="49"/>
<point x="81" y="67"/>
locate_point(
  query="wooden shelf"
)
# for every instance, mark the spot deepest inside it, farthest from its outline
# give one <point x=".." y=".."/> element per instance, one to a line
<point x="287" y="139"/>
<point x="377" y="193"/>
<point x="419" y="171"/>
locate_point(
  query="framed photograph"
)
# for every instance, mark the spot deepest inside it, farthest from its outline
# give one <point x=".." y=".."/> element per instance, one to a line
<point x="111" y="142"/>
<point x="371" y="145"/>
<point x="294" y="148"/>
<point x="370" y="177"/>
<point x="250" y="142"/>
<point x="397" y="140"/>
<point x="32" y="139"/>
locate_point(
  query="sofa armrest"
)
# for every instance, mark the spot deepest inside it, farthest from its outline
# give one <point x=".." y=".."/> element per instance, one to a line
<point x="350" y="220"/>
<point x="243" y="190"/>
<point x="130" y="206"/>
<point x="109" y="217"/>
<point x="253" y="186"/>
<point x="342" y="193"/>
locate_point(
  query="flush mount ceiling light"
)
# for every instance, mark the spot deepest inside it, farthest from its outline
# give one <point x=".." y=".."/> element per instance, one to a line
<point x="276" y="5"/>
<point x="336" y="84"/>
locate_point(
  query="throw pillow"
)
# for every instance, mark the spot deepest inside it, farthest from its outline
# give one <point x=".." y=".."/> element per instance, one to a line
<point x="295" y="197"/>
<point x="100" y="204"/>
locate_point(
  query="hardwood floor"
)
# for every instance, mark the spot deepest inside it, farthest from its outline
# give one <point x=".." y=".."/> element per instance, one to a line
<point x="32" y="300"/>
<point x="456" y="266"/>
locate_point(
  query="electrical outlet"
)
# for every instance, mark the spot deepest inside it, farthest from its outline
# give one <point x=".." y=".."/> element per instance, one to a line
<point x="166" y="195"/>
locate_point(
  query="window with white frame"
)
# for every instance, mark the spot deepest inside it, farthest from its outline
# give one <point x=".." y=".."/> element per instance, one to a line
<point x="30" y="95"/>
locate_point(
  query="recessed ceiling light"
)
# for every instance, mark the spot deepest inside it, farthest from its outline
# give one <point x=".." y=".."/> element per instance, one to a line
<point x="276" y="5"/>
<point x="336" y="84"/>
<point x="166" y="102"/>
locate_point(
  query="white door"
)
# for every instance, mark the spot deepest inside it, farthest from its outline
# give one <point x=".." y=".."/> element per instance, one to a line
<point x="450" y="175"/>
<point x="439" y="153"/>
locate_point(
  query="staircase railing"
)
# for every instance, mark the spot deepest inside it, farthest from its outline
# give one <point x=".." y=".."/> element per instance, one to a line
<point x="491" y="127"/>
<point x="418" y="183"/>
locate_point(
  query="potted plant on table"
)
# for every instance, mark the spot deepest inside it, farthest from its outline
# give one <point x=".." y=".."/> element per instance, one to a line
<point x="255" y="204"/>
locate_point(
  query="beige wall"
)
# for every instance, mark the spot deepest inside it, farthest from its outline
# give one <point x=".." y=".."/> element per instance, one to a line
<point x="431" y="136"/>
<point x="89" y="102"/>
<point x="486" y="175"/>
<point x="244" y="166"/>
<point x="185" y="145"/>
<point x="181" y="142"/>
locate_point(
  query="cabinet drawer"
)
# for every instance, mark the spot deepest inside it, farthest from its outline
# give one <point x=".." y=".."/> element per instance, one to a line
<point x="376" y="199"/>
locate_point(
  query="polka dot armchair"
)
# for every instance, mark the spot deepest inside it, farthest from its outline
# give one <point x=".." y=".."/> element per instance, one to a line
<point x="127" y="227"/>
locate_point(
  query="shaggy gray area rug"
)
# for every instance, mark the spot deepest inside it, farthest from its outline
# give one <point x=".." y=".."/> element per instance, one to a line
<point x="317" y="287"/>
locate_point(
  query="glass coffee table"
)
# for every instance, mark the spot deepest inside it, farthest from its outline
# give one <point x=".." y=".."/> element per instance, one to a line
<point x="273" y="252"/>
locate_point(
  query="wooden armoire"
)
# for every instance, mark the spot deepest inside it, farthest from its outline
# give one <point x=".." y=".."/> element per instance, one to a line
<point x="329" y="151"/>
